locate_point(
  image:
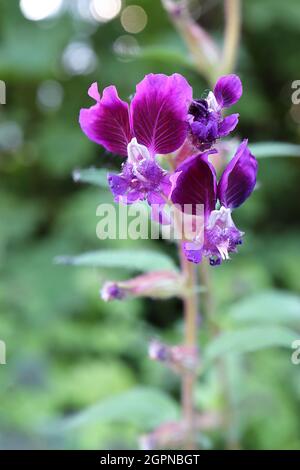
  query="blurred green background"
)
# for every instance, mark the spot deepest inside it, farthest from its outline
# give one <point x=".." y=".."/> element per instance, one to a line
<point x="67" y="350"/>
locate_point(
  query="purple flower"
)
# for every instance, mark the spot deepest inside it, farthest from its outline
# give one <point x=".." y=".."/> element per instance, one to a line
<point x="141" y="178"/>
<point x="154" y="123"/>
<point x="196" y="183"/>
<point x="206" y="121"/>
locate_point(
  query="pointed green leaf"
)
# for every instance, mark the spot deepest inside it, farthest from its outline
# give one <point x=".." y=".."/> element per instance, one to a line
<point x="271" y="306"/>
<point x="134" y="260"/>
<point x="249" y="339"/>
<point x="141" y="406"/>
<point x="94" y="176"/>
<point x="275" y="149"/>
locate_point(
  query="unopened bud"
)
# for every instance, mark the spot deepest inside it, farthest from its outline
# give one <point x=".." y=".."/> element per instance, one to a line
<point x="166" y="436"/>
<point x="158" y="351"/>
<point x="179" y="358"/>
<point x="157" y="284"/>
<point x="112" y="291"/>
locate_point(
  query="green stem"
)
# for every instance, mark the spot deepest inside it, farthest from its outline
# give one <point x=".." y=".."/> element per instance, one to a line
<point x="209" y="309"/>
<point x="190" y="340"/>
<point x="231" y="35"/>
<point x="204" y="51"/>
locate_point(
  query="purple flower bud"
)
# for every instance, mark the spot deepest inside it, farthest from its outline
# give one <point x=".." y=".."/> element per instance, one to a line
<point x="156" y="284"/>
<point x="178" y="358"/>
<point x="239" y="178"/>
<point x="158" y="351"/>
<point x="111" y="291"/>
<point x="228" y="90"/>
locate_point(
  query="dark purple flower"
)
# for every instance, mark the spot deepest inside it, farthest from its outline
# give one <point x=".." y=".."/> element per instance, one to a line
<point x="196" y="183"/>
<point x="155" y="123"/>
<point x="206" y="121"/>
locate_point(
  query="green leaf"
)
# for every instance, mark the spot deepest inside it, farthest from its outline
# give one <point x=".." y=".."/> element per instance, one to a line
<point x="134" y="260"/>
<point x="141" y="406"/>
<point x="92" y="176"/>
<point x="272" y="306"/>
<point x="275" y="149"/>
<point x="249" y="340"/>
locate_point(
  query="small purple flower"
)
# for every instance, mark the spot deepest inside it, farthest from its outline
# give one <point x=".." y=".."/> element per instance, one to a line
<point x="196" y="183"/>
<point x="206" y="121"/>
<point x="141" y="178"/>
<point x="154" y="123"/>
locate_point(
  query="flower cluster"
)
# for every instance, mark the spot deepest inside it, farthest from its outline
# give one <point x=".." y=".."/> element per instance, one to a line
<point x="196" y="182"/>
<point x="161" y="119"/>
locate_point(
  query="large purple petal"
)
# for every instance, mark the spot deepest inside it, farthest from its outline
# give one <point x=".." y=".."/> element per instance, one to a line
<point x="196" y="184"/>
<point x="107" y="122"/>
<point x="159" y="111"/>
<point x="228" y="90"/>
<point x="239" y="177"/>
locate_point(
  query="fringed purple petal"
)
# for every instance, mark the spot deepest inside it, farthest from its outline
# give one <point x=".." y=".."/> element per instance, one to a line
<point x="141" y="179"/>
<point x="228" y="90"/>
<point x="205" y="132"/>
<point x="196" y="184"/>
<point x="118" y="184"/>
<point x="159" y="111"/>
<point x="228" y="124"/>
<point x="239" y="178"/>
<point x="122" y="188"/>
<point x="107" y="122"/>
<point x="193" y="252"/>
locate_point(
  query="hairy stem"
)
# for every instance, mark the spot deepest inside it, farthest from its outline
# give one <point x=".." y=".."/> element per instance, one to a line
<point x="221" y="365"/>
<point x="232" y="34"/>
<point x="190" y="340"/>
<point x="204" y="51"/>
<point x="207" y="297"/>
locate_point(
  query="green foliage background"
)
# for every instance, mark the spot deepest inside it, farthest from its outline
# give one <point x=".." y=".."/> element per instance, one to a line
<point x="67" y="350"/>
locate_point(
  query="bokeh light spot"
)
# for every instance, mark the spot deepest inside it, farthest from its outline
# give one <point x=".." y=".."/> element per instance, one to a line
<point x="36" y="10"/>
<point x="105" y="10"/>
<point x="134" y="19"/>
<point x="11" y="136"/>
<point x="126" y="47"/>
<point x="50" y="95"/>
<point x="79" y="58"/>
